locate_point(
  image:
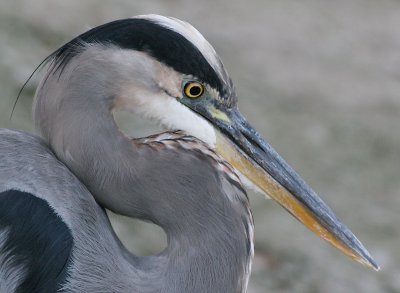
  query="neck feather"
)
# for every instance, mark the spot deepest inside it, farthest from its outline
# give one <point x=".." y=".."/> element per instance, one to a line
<point x="205" y="216"/>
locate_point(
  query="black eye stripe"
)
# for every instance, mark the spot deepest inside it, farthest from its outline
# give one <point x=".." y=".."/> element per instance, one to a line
<point x="164" y="44"/>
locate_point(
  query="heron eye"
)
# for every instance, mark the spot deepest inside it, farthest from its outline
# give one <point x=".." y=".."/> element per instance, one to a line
<point x="193" y="89"/>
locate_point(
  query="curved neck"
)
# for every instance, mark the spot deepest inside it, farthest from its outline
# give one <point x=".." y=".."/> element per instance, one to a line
<point x="73" y="112"/>
<point x="206" y="218"/>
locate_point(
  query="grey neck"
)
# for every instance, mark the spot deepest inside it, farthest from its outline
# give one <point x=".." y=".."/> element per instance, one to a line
<point x="206" y="218"/>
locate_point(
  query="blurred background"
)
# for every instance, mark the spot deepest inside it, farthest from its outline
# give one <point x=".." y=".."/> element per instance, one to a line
<point x="319" y="79"/>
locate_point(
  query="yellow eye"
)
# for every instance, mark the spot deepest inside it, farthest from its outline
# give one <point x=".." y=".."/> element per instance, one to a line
<point x="193" y="89"/>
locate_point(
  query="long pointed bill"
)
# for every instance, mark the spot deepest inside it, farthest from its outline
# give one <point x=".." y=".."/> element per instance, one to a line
<point x="251" y="155"/>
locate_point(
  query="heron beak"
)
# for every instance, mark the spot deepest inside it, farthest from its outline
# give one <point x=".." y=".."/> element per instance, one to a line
<point x="254" y="158"/>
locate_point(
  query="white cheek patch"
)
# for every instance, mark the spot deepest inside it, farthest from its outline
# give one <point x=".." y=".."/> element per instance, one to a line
<point x="144" y="95"/>
<point x="172" y="115"/>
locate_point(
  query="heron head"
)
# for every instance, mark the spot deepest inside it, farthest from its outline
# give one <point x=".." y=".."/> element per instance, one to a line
<point x="168" y="72"/>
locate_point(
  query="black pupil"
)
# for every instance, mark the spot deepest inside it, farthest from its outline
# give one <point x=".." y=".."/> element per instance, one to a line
<point x="195" y="90"/>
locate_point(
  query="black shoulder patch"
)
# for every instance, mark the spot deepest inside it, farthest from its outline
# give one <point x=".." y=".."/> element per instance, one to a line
<point x="37" y="239"/>
<point x="162" y="43"/>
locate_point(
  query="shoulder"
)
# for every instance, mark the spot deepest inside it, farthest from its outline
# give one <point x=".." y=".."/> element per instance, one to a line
<point x="35" y="244"/>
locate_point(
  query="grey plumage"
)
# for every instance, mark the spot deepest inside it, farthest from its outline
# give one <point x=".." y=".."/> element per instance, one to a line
<point x="184" y="265"/>
<point x="189" y="182"/>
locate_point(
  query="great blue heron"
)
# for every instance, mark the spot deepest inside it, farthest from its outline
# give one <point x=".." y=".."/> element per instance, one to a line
<point x="54" y="237"/>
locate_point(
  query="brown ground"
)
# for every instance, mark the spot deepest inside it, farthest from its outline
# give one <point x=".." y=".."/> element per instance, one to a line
<point x="319" y="79"/>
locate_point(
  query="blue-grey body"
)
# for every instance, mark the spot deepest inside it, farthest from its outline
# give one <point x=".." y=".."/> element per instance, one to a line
<point x="187" y="181"/>
<point x="97" y="261"/>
